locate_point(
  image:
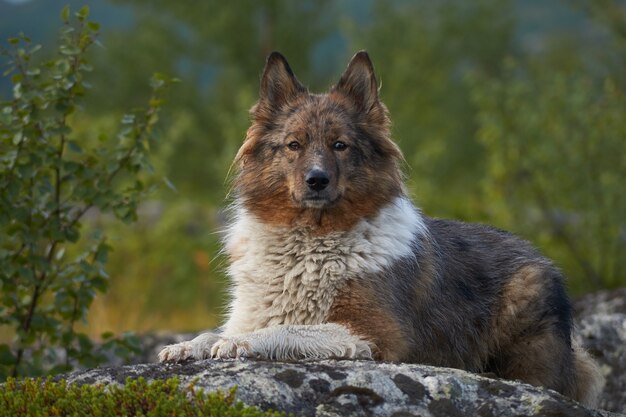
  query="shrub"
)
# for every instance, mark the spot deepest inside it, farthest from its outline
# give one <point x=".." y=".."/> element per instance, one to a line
<point x="51" y="179"/>
<point x="136" y="398"/>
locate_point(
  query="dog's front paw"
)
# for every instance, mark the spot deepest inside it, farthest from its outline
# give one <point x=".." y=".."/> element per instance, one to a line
<point x="198" y="348"/>
<point x="231" y="348"/>
<point x="176" y="353"/>
<point x="357" y="350"/>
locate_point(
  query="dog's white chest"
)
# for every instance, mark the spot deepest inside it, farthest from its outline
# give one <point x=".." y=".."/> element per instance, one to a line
<point x="285" y="276"/>
<point x="291" y="278"/>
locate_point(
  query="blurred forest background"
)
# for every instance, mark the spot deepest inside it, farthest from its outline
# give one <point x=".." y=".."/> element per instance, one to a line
<point x="509" y="112"/>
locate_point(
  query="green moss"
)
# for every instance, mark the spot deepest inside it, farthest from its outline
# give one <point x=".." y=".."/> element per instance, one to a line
<point x="37" y="397"/>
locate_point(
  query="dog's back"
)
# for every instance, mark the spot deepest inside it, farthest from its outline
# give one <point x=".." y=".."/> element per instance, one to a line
<point x="521" y="317"/>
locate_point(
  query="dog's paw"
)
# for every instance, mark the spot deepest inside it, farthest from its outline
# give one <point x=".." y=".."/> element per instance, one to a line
<point x="198" y="348"/>
<point x="357" y="350"/>
<point x="231" y="348"/>
<point x="176" y="353"/>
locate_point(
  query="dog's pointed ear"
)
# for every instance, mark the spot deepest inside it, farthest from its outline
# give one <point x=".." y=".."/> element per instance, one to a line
<point x="359" y="81"/>
<point x="279" y="85"/>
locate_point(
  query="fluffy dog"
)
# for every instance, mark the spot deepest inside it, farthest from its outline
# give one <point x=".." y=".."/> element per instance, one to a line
<point x="330" y="259"/>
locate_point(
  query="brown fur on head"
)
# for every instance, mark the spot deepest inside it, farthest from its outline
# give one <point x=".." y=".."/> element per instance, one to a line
<point x="321" y="161"/>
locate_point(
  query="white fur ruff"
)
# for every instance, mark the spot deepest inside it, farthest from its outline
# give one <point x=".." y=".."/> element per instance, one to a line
<point x="284" y="277"/>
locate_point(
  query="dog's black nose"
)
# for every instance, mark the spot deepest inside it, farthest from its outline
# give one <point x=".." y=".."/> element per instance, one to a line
<point x="317" y="179"/>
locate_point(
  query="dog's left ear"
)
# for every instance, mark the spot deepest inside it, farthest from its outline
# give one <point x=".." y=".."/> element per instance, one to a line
<point x="359" y="81"/>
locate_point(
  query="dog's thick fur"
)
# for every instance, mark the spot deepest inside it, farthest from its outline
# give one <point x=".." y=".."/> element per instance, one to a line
<point x="330" y="259"/>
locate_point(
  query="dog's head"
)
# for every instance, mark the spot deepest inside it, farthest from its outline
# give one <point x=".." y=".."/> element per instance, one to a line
<point x="318" y="160"/>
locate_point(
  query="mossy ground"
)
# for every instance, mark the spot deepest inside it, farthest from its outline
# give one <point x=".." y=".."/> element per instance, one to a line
<point x="37" y="397"/>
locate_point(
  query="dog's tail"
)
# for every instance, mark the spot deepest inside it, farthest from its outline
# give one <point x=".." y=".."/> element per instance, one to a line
<point x="589" y="380"/>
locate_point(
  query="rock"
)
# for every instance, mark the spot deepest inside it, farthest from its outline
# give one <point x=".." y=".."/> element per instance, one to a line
<point x="604" y="336"/>
<point x="601" y="302"/>
<point x="601" y="322"/>
<point x="345" y="388"/>
<point x="332" y="388"/>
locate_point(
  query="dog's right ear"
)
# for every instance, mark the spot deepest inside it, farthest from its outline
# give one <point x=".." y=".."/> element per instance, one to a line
<point x="278" y="84"/>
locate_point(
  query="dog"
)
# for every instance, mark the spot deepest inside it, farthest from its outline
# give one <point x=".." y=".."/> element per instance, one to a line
<point x="329" y="258"/>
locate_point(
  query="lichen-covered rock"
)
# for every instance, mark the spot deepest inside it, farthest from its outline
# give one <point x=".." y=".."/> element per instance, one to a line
<point x="601" y="302"/>
<point x="601" y="323"/>
<point x="604" y="336"/>
<point x="345" y="388"/>
<point x="367" y="388"/>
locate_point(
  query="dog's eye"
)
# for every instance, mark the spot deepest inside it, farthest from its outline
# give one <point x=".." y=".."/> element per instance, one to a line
<point x="294" y="145"/>
<point x="339" y="146"/>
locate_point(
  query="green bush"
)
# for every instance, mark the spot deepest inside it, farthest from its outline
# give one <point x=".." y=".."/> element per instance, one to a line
<point x="52" y="178"/>
<point x="34" y="397"/>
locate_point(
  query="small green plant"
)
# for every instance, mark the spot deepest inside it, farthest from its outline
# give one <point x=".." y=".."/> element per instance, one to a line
<point x="34" y="397"/>
<point x="51" y="179"/>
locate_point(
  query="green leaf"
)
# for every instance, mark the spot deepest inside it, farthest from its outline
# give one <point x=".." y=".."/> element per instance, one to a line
<point x="169" y="184"/>
<point x="157" y="81"/>
<point x="83" y="13"/>
<point x="72" y="235"/>
<point x="93" y="26"/>
<point x="59" y="254"/>
<point x="17" y="91"/>
<point x="100" y="283"/>
<point x="65" y="14"/>
<point x="71" y="166"/>
<point x="84" y="341"/>
<point x="17" y="138"/>
<point x="69" y="50"/>
<point x="8" y="71"/>
<point x="6" y="356"/>
<point x="74" y="147"/>
<point x="107" y="335"/>
<point x="16" y="78"/>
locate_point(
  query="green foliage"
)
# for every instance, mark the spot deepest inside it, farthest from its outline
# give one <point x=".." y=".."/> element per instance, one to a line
<point x="421" y="50"/>
<point x="475" y="150"/>
<point x="52" y="178"/>
<point x="221" y="65"/>
<point x="556" y="166"/>
<point x="180" y="284"/>
<point x="34" y="397"/>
